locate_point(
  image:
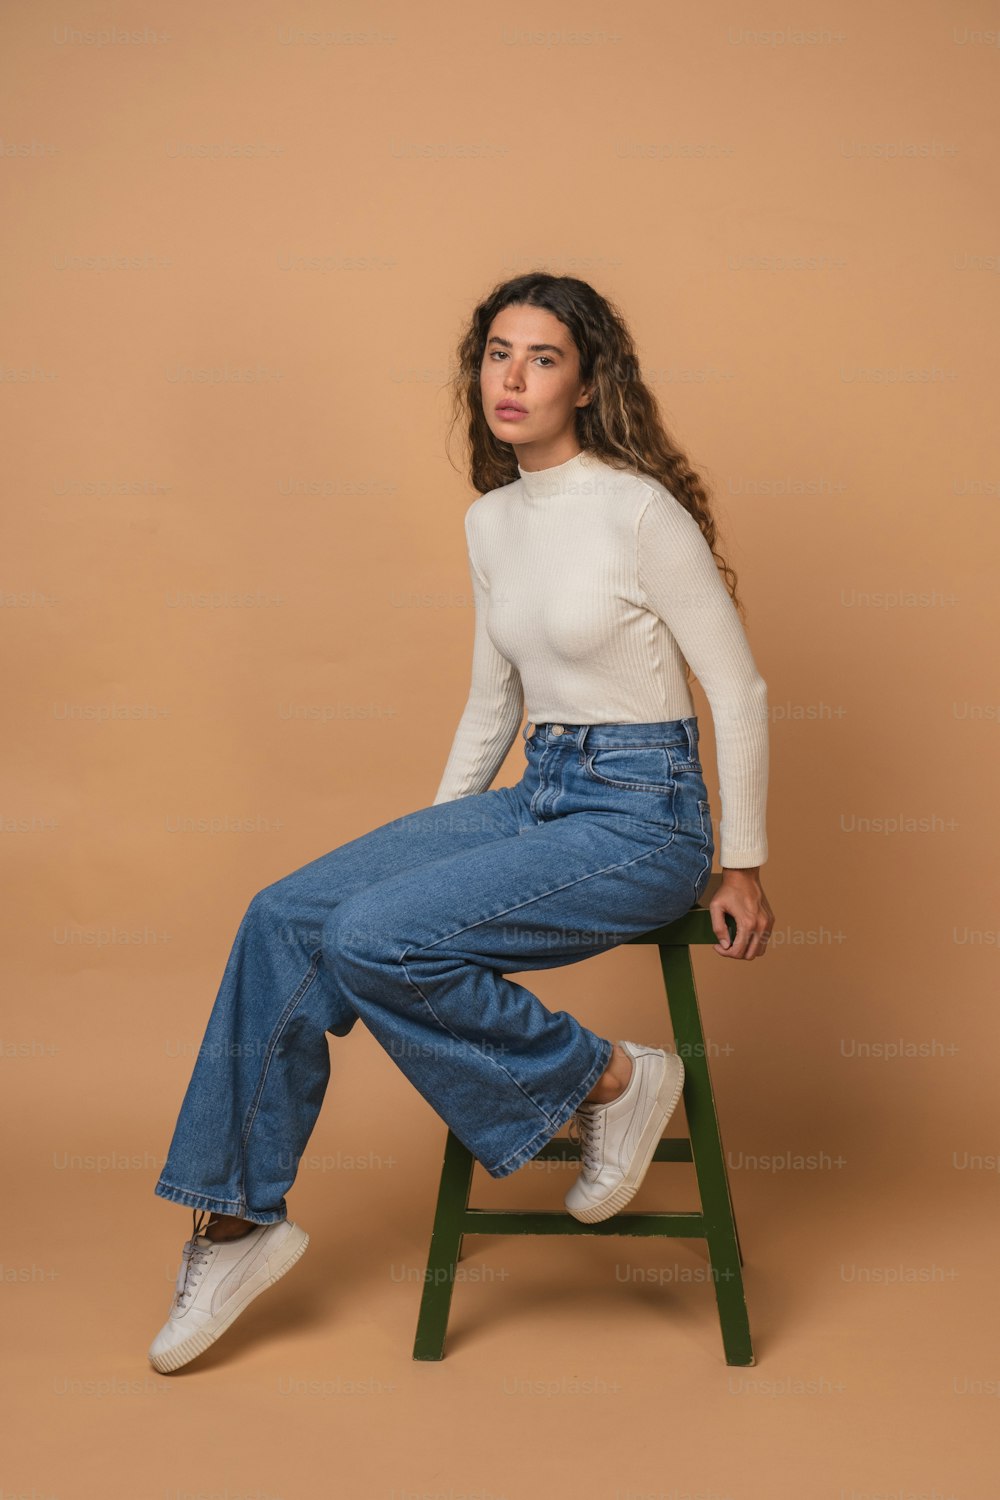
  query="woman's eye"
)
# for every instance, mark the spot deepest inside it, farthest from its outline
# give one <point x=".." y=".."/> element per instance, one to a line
<point x="501" y="353"/>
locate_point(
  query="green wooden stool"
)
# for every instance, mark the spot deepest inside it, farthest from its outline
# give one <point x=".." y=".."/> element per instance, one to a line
<point x="715" y="1223"/>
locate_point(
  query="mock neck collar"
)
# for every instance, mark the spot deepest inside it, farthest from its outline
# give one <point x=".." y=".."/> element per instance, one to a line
<point x="558" y="479"/>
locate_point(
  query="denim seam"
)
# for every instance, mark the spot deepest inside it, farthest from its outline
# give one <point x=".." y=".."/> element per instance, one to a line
<point x="279" y="1027"/>
<point x="470" y="925"/>
<point x="208" y="1197"/>
<point x="594" y="746"/>
<point x="704" y="813"/>
<point x="657" y="788"/>
<point x="205" y="1200"/>
<point x="567" y="1108"/>
<point x="549" y="891"/>
<point x="533" y="1102"/>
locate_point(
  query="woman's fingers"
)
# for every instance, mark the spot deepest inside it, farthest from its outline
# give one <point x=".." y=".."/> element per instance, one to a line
<point x="753" y="919"/>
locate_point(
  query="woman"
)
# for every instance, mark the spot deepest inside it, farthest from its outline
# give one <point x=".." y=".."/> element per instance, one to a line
<point x="595" y="584"/>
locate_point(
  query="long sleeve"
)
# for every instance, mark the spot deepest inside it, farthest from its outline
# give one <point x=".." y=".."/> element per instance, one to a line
<point x="680" y="581"/>
<point x="495" y="705"/>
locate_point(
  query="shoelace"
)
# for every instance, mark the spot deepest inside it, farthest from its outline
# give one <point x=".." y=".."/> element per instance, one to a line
<point x="587" y="1129"/>
<point x="194" y="1258"/>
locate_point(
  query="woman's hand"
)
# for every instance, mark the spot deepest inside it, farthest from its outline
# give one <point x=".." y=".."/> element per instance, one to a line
<point x="742" y="896"/>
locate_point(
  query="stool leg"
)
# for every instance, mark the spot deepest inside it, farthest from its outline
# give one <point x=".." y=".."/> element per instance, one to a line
<point x="445" y="1249"/>
<point x="724" y="1253"/>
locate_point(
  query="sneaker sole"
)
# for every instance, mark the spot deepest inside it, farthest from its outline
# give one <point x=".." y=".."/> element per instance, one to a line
<point x="271" y="1271"/>
<point x="667" y="1098"/>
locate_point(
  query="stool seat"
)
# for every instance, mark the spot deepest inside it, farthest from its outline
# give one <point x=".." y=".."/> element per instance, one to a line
<point x="715" y="1222"/>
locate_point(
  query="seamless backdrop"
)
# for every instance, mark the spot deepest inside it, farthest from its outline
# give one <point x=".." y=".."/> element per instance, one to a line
<point x="239" y="245"/>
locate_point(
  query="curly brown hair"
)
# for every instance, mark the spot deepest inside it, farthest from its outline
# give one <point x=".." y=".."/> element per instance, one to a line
<point x="621" y="423"/>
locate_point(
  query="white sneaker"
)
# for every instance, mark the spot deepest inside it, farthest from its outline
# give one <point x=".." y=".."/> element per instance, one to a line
<point x="618" y="1140"/>
<point x="216" y="1281"/>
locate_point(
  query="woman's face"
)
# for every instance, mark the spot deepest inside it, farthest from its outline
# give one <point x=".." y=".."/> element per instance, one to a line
<point x="532" y="363"/>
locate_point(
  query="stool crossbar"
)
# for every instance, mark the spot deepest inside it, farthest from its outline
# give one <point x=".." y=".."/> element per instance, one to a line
<point x="715" y="1222"/>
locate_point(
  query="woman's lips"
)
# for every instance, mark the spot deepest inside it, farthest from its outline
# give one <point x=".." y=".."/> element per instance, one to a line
<point x="510" y="414"/>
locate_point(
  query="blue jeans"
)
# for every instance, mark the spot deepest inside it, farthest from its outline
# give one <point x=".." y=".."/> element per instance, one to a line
<point x="412" y="927"/>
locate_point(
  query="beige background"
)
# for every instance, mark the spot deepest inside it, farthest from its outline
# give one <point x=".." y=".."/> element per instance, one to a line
<point x="802" y="232"/>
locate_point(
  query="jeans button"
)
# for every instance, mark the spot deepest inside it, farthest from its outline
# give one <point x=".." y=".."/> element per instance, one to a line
<point x="557" y="729"/>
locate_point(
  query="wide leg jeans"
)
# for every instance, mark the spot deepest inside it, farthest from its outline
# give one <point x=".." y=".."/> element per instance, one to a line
<point x="413" y="928"/>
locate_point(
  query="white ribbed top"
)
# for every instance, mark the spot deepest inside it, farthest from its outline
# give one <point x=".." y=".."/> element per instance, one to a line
<point x="592" y="585"/>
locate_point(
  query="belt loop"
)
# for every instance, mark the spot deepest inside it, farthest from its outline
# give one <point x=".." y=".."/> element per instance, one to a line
<point x="581" y="737"/>
<point x="524" y="732"/>
<point x="691" y="730"/>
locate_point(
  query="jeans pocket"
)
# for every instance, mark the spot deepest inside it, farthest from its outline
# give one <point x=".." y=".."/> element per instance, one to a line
<point x="641" y="768"/>
<point x="681" y="764"/>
